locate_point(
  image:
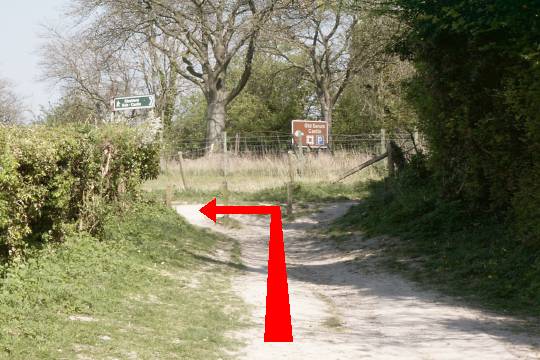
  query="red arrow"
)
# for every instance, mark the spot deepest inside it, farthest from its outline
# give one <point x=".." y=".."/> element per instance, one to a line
<point x="211" y="210"/>
<point x="277" y="327"/>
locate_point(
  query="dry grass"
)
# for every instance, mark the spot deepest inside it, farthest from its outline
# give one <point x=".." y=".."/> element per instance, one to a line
<point x="250" y="174"/>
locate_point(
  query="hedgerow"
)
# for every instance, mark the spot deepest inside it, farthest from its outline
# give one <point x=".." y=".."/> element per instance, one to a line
<point x="477" y="94"/>
<point x="52" y="178"/>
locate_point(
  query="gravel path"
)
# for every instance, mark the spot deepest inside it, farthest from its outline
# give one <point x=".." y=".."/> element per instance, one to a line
<point x="344" y="306"/>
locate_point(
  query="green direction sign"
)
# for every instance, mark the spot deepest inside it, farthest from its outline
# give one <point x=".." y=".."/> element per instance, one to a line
<point x="135" y="102"/>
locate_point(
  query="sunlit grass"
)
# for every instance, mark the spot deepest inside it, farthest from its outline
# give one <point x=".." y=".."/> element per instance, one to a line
<point x="249" y="175"/>
<point x="148" y="290"/>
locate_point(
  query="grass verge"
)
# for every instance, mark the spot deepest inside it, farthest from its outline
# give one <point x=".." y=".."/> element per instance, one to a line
<point x="303" y="194"/>
<point x="144" y="291"/>
<point x="442" y="244"/>
<point x="251" y="174"/>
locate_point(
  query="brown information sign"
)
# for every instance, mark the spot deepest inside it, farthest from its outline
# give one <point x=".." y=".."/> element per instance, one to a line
<point x="312" y="134"/>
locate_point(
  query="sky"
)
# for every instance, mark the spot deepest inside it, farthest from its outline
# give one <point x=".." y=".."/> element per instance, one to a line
<point x="21" y="23"/>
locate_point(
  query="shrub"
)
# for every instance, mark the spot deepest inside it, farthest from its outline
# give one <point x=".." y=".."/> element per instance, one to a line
<point x="54" y="176"/>
<point x="476" y="91"/>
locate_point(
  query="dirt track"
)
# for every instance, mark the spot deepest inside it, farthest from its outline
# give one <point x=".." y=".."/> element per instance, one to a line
<point x="344" y="306"/>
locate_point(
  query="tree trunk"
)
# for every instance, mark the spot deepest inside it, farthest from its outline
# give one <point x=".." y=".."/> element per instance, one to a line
<point x="327" y="115"/>
<point x="215" y="120"/>
<point x="326" y="110"/>
<point x="170" y="89"/>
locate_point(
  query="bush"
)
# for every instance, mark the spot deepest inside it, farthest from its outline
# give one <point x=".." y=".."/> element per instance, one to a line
<point x="477" y="94"/>
<point x="51" y="177"/>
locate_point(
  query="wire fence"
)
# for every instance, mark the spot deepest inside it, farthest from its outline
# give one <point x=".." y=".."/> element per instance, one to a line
<point x="276" y="143"/>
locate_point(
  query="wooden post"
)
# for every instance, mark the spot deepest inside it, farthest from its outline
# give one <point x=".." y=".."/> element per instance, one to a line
<point x="383" y="141"/>
<point x="290" y="184"/>
<point x="181" y="165"/>
<point x="390" y="162"/>
<point x="225" y="196"/>
<point x="330" y="140"/>
<point x="300" y="155"/>
<point x="224" y="170"/>
<point x="165" y="163"/>
<point x="416" y="139"/>
<point x="364" y="165"/>
<point x="237" y="144"/>
<point x="168" y="195"/>
<point x="224" y="142"/>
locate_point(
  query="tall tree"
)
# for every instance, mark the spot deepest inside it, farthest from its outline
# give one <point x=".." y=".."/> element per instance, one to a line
<point x="212" y="33"/>
<point x="83" y="70"/>
<point x="316" y="37"/>
<point x="330" y="41"/>
<point x="91" y="73"/>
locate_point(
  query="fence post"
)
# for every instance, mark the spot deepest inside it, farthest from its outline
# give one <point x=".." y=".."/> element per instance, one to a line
<point x="237" y="144"/>
<point x="300" y="155"/>
<point x="224" y="170"/>
<point x="390" y="158"/>
<point x="383" y="141"/>
<point x="165" y="164"/>
<point x="416" y="138"/>
<point x="290" y="184"/>
<point x="168" y="195"/>
<point x="181" y="165"/>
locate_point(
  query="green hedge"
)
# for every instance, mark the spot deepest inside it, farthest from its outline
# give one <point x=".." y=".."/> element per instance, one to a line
<point x="477" y="94"/>
<point x="53" y="176"/>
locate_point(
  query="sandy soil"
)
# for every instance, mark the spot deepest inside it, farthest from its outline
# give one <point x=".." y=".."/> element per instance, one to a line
<point x="344" y="306"/>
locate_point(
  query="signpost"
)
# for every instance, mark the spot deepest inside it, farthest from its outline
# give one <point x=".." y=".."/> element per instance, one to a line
<point x="134" y="102"/>
<point x="312" y="134"/>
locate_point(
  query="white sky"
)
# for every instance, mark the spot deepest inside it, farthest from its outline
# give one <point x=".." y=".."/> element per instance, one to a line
<point x="20" y="26"/>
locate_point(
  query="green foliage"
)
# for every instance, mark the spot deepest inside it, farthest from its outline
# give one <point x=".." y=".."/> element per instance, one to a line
<point x="133" y="285"/>
<point x="309" y="193"/>
<point x="73" y="109"/>
<point x="53" y="176"/>
<point x="277" y="93"/>
<point x="303" y="194"/>
<point x="274" y="95"/>
<point x="477" y="95"/>
<point x="448" y="247"/>
<point x="374" y="100"/>
<point x="188" y="132"/>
